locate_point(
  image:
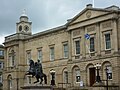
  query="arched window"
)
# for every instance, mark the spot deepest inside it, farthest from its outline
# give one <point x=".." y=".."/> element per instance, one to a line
<point x="20" y="28"/>
<point x="76" y="74"/>
<point x="107" y="70"/>
<point x="9" y="79"/>
<point x="65" y="76"/>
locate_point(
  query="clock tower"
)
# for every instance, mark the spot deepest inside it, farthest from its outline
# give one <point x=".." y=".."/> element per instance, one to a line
<point x="24" y="26"/>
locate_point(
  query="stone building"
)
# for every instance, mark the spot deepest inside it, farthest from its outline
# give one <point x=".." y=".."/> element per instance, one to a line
<point x="1" y="65"/>
<point x="73" y="50"/>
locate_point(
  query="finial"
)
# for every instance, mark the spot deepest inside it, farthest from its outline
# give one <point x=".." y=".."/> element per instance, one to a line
<point x="24" y="12"/>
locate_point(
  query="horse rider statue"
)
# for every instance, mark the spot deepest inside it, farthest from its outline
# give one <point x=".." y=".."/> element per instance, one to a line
<point x="37" y="71"/>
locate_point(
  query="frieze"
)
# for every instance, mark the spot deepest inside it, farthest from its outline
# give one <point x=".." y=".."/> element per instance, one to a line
<point x="91" y="28"/>
<point x="107" y="24"/>
<point x="76" y="33"/>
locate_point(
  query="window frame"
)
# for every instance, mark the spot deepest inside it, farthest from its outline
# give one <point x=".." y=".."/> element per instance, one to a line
<point x="1" y="52"/>
<point x="1" y="78"/>
<point x="28" y="56"/>
<point x="40" y="54"/>
<point x="107" y="42"/>
<point x="65" y="76"/>
<point x="109" y="72"/>
<point x="77" y="75"/>
<point x="65" y="51"/>
<point x="93" y="44"/>
<point x="11" y="58"/>
<point x="52" y="53"/>
<point x="1" y="64"/>
<point x="75" y="46"/>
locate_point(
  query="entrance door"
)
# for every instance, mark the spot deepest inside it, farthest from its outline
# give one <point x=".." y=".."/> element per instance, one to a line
<point x="92" y="76"/>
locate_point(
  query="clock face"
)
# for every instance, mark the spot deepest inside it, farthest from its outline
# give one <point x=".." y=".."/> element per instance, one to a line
<point x="26" y="28"/>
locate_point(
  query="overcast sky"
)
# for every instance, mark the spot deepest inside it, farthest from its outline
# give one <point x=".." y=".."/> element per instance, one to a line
<point x="44" y="14"/>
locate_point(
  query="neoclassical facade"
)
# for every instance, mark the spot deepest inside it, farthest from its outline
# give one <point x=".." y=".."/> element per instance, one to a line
<point x="73" y="50"/>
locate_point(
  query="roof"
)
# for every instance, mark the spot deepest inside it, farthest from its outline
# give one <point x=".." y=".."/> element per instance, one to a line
<point x="112" y="8"/>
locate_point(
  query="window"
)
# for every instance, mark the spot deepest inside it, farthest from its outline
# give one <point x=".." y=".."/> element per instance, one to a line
<point x="28" y="56"/>
<point x="1" y="65"/>
<point x="0" y="78"/>
<point x="9" y="79"/>
<point x="29" y="79"/>
<point x="65" y="77"/>
<point x="77" y="75"/>
<point x="52" y="53"/>
<point x="92" y="46"/>
<point x="12" y="58"/>
<point x="77" y="47"/>
<point x="107" y="41"/>
<point x="65" y="47"/>
<point x="1" y="53"/>
<point x="20" y="28"/>
<point x="40" y="55"/>
<point x="10" y="83"/>
<point x="109" y="71"/>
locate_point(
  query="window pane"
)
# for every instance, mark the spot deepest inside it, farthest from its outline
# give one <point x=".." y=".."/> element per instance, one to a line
<point x="13" y="57"/>
<point x="1" y="78"/>
<point x="1" y="53"/>
<point x="77" y="75"/>
<point x="92" y="48"/>
<point x="77" y="44"/>
<point x="109" y="71"/>
<point x="52" y="53"/>
<point x="1" y="65"/>
<point x="40" y="55"/>
<point x="28" y="57"/>
<point x="107" y="41"/>
<point x="65" y="50"/>
<point x="65" y="76"/>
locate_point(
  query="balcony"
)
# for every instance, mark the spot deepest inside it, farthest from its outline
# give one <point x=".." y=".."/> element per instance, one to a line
<point x="17" y="36"/>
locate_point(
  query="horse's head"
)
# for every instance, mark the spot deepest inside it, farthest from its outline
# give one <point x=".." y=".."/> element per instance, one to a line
<point x="31" y="62"/>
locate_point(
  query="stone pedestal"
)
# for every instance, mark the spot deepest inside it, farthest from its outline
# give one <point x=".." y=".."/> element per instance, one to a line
<point x="37" y="87"/>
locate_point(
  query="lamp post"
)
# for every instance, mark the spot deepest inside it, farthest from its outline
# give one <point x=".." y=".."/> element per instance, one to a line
<point x="98" y="66"/>
<point x="52" y="72"/>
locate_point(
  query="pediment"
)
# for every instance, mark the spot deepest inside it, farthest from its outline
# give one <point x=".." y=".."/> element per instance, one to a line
<point x="88" y="14"/>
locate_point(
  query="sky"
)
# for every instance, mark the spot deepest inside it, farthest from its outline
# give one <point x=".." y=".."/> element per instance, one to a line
<point x="44" y="14"/>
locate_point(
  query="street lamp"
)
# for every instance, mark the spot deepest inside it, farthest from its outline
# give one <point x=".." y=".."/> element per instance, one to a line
<point x="98" y="66"/>
<point x="52" y="72"/>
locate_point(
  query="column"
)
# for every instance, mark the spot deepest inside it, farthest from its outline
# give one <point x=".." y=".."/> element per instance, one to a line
<point x="115" y="36"/>
<point x="98" y="40"/>
<point x="70" y="45"/>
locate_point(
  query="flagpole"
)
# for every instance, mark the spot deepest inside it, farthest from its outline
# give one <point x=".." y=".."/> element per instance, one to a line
<point x="93" y="3"/>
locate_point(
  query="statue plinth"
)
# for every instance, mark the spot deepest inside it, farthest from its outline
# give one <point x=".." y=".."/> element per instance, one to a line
<point x="36" y="87"/>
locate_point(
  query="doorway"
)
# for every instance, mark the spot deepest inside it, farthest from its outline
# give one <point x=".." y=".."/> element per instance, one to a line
<point x="92" y="76"/>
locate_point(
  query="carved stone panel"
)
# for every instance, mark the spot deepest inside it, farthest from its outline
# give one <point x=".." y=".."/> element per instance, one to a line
<point x="76" y="33"/>
<point x="106" y="24"/>
<point x="91" y="28"/>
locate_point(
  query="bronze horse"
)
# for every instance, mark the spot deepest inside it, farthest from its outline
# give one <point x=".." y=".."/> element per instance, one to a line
<point x="36" y="70"/>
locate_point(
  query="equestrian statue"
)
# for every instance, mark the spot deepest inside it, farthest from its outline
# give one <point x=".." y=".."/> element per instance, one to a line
<point x="36" y="70"/>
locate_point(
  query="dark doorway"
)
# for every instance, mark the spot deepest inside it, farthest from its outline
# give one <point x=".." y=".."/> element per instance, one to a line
<point x="92" y="76"/>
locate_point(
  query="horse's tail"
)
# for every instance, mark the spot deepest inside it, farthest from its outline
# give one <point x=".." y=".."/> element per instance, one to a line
<point x="45" y="78"/>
